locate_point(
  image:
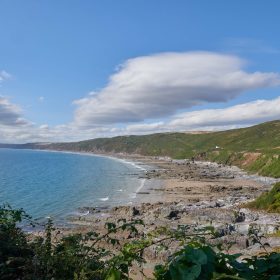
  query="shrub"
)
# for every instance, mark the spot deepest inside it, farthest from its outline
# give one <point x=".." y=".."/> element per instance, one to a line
<point x="104" y="256"/>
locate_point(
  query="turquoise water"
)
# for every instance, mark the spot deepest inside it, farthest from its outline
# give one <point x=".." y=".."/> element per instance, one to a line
<point x="58" y="184"/>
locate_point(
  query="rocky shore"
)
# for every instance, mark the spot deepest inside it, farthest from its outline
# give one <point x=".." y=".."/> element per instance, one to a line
<point x="195" y="194"/>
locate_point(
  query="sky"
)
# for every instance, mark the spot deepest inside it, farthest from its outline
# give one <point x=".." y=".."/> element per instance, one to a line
<point x="72" y="70"/>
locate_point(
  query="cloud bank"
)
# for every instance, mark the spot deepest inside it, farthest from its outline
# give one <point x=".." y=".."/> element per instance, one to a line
<point x="241" y="115"/>
<point x="159" y="85"/>
<point x="148" y="94"/>
<point x="215" y="119"/>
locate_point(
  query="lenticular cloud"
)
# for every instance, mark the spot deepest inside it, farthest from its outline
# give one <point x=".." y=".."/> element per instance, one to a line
<point x="159" y="85"/>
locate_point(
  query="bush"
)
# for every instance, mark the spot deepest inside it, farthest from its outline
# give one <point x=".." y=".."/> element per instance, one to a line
<point x="95" y="256"/>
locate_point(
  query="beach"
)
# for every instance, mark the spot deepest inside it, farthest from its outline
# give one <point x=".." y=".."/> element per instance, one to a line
<point x="182" y="192"/>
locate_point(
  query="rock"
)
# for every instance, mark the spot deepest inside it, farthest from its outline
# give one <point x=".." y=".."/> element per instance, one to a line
<point x="217" y="188"/>
<point x="243" y="228"/>
<point x="173" y="215"/>
<point x="212" y="204"/>
<point x="241" y="241"/>
<point x="135" y="212"/>
<point x="238" y="188"/>
<point x="225" y="230"/>
<point x="255" y="247"/>
<point x="240" y="217"/>
<point x="250" y="215"/>
<point x="220" y="203"/>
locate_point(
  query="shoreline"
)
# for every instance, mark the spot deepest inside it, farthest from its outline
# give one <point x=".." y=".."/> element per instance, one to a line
<point x="168" y="183"/>
<point x="136" y="196"/>
<point x="199" y="193"/>
<point x="154" y="163"/>
<point x="115" y="157"/>
<point x="126" y="193"/>
<point x="181" y="192"/>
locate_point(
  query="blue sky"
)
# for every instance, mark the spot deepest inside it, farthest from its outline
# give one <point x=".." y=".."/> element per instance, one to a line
<point x="54" y="53"/>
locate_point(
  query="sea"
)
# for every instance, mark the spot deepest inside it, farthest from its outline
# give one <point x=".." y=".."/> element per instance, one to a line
<point x="60" y="184"/>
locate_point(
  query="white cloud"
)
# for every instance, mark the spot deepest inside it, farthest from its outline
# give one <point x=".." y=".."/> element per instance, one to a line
<point x="4" y="75"/>
<point x="10" y="114"/>
<point x="159" y="85"/>
<point x="144" y="128"/>
<point x="45" y="133"/>
<point x="238" y="115"/>
<point x="215" y="119"/>
<point x="41" y="98"/>
<point x="44" y="126"/>
<point x="154" y="87"/>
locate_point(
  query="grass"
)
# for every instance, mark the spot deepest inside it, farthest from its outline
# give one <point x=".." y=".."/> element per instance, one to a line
<point x="267" y="165"/>
<point x="235" y="146"/>
<point x="269" y="201"/>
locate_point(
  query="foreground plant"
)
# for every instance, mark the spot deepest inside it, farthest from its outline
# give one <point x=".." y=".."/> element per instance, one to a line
<point x="111" y="255"/>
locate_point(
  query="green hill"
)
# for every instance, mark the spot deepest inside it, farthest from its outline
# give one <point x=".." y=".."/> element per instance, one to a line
<point x="256" y="148"/>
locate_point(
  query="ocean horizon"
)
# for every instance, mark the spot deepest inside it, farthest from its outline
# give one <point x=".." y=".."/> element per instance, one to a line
<point x="60" y="184"/>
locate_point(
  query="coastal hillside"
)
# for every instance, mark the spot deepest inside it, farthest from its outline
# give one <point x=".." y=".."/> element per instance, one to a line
<point x="256" y="148"/>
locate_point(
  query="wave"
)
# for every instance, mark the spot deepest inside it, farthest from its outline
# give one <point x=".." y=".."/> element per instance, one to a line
<point x="133" y="195"/>
<point x="104" y="198"/>
<point x="84" y="214"/>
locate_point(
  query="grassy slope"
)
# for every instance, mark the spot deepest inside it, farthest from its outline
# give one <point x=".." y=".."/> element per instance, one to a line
<point x="256" y="148"/>
<point x="269" y="201"/>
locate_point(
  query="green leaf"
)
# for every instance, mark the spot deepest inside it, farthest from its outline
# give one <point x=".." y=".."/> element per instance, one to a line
<point x="113" y="275"/>
<point x="275" y="277"/>
<point x="184" y="272"/>
<point x="196" y="256"/>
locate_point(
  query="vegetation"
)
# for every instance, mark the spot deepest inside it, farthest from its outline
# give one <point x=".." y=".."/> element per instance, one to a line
<point x="256" y="148"/>
<point x="263" y="138"/>
<point x="267" y="164"/>
<point x="96" y="256"/>
<point x="269" y="201"/>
